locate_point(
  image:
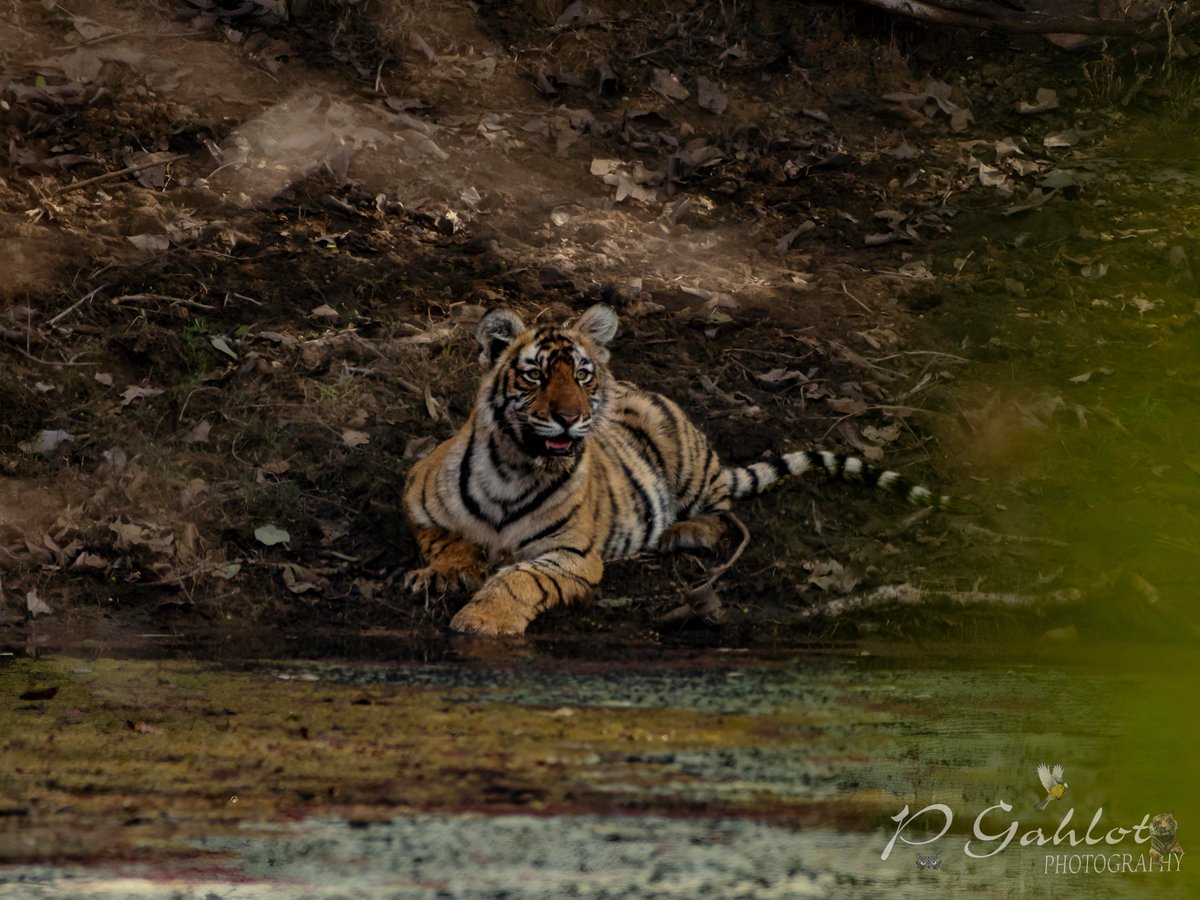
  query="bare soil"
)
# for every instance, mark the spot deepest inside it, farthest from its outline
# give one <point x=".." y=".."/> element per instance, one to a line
<point x="265" y="323"/>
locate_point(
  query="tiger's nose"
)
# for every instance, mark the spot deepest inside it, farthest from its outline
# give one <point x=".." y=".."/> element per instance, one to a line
<point x="566" y="417"/>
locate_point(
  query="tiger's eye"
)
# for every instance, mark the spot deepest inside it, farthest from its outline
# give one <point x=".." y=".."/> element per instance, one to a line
<point x="583" y="376"/>
<point x="532" y="376"/>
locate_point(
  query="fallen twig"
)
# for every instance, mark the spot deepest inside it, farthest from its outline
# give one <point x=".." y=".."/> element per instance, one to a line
<point x="990" y="17"/>
<point x="908" y="595"/>
<point x="702" y="601"/>
<point x="972" y="528"/>
<point x="728" y="564"/>
<point x="128" y="170"/>
<point x="43" y="362"/>
<point x="134" y="298"/>
<point x="78" y="303"/>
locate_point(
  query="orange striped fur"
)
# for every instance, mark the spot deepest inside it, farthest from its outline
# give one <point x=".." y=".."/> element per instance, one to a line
<point x="560" y="467"/>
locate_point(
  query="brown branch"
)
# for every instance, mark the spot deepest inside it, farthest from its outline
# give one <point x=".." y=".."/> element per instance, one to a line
<point x="128" y="170"/>
<point x="987" y="17"/>
<point x="899" y="595"/>
<point x="702" y="601"/>
<point x="728" y="564"/>
<point x="16" y="345"/>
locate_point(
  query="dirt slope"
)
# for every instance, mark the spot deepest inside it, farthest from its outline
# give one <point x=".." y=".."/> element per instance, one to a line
<point x="245" y="252"/>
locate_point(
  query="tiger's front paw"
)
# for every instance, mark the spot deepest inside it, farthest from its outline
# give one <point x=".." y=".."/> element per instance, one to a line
<point x="440" y="579"/>
<point x="490" y="613"/>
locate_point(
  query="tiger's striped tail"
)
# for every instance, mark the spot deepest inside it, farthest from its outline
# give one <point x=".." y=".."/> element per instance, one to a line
<point x="747" y="481"/>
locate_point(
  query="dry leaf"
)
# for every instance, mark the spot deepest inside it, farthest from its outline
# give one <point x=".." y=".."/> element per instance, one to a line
<point x="89" y="561"/>
<point x="710" y="97"/>
<point x="990" y="176"/>
<point x="432" y="405"/>
<point x="776" y="377"/>
<point x="128" y="534"/>
<point x="149" y="241"/>
<point x="133" y="392"/>
<point x="198" y="433"/>
<point x="668" y="85"/>
<point x="300" y="580"/>
<point x="1046" y="99"/>
<point x="582" y="14"/>
<point x="354" y="438"/>
<point x="36" y="605"/>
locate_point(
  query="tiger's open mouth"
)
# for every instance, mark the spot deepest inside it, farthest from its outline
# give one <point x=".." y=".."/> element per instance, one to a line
<point x="563" y="446"/>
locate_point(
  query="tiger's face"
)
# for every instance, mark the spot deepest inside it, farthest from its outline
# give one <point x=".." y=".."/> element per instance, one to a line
<point x="546" y="387"/>
<point x="1163" y="827"/>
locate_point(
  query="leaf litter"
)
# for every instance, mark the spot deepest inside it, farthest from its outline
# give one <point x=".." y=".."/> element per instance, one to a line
<point x="323" y="244"/>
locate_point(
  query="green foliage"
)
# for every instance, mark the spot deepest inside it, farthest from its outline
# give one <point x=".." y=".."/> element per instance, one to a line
<point x="198" y="350"/>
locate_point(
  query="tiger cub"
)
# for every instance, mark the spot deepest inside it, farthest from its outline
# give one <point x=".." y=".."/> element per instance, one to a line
<point x="1163" y="828"/>
<point x="560" y="467"/>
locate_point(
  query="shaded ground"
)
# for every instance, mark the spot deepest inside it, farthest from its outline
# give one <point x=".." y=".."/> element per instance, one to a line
<point x="267" y="328"/>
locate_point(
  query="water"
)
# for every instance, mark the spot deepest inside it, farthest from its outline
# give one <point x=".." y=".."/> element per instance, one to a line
<point x="665" y="775"/>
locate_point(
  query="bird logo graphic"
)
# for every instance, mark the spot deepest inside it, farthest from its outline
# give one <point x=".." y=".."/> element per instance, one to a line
<point x="1052" y="781"/>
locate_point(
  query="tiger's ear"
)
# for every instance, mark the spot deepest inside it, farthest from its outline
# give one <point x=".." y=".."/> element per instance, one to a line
<point x="496" y="331"/>
<point x="599" y="323"/>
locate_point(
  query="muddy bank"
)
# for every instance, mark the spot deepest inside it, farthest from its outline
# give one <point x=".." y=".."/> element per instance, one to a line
<point x="257" y="330"/>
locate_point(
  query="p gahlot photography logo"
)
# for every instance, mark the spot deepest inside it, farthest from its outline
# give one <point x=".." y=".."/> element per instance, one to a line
<point x="1148" y="846"/>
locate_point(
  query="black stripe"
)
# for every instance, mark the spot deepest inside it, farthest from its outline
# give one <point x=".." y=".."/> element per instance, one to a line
<point x="464" y="484"/>
<point x="507" y="430"/>
<point x="541" y="497"/>
<point x="552" y="527"/>
<point x="494" y="455"/>
<point x="500" y="389"/>
<point x="651" y="510"/>
<point x="705" y="482"/>
<point x="646" y="441"/>
<point x="537" y="577"/>
<point x="557" y="589"/>
<point x="712" y="470"/>
<point x="779" y="464"/>
<point x="753" y="479"/>
<point x="612" y="499"/>
<point x="664" y="406"/>
<point x="578" y="579"/>
<point x="660" y="403"/>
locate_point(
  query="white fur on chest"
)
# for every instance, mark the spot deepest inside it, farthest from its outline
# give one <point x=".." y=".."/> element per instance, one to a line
<point x="506" y="511"/>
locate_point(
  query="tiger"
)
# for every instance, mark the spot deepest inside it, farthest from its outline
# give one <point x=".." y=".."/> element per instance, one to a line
<point x="560" y="467"/>
<point x="1163" y="829"/>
